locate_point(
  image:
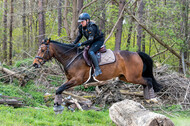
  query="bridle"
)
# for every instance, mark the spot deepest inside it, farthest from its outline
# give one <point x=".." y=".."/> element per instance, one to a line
<point x="42" y="58"/>
<point x="48" y="54"/>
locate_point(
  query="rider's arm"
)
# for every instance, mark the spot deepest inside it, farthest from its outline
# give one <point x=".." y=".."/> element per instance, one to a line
<point x="92" y="30"/>
<point x="79" y="35"/>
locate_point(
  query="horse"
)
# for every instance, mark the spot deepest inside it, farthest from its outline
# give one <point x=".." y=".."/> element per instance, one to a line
<point x="132" y="67"/>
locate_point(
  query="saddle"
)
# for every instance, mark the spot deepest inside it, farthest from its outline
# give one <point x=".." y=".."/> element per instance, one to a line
<point x="104" y="56"/>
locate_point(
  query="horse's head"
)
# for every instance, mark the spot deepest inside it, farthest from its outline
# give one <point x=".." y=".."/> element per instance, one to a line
<point x="44" y="54"/>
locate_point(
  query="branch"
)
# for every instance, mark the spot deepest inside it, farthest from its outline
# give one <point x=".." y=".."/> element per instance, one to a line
<point x="156" y="37"/>
<point x="162" y="51"/>
<point x="86" y="6"/>
<point x="115" y="23"/>
<point x="95" y="84"/>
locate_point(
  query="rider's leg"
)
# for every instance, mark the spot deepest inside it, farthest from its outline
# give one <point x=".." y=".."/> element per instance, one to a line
<point x="94" y="48"/>
<point x="95" y="62"/>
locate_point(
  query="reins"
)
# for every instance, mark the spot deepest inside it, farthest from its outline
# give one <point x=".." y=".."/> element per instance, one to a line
<point x="73" y="59"/>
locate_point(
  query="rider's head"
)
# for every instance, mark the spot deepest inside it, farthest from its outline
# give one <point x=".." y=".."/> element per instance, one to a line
<point x="84" y="18"/>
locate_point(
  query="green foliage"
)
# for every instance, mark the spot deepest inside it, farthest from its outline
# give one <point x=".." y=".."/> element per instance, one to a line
<point x="178" y="116"/>
<point x="82" y="88"/>
<point x="55" y="80"/>
<point x="24" y="62"/>
<point x="46" y="116"/>
<point x="32" y="95"/>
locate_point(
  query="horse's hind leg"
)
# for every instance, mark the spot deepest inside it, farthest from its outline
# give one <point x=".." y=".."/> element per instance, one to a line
<point x="148" y="91"/>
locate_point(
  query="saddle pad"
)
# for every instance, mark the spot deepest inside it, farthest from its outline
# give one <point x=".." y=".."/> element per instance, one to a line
<point x="107" y="57"/>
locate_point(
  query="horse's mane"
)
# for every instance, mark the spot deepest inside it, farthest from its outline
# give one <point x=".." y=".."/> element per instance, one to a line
<point x="62" y="44"/>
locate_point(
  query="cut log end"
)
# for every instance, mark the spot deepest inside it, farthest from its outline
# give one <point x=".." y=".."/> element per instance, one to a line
<point x="161" y="122"/>
<point x="131" y="113"/>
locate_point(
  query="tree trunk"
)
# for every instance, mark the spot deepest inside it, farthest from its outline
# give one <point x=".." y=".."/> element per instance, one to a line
<point x="130" y="113"/>
<point x="131" y="27"/>
<point x="102" y="20"/>
<point x="11" y="34"/>
<point x="24" y="28"/>
<point x="79" y="5"/>
<point x="139" y="28"/>
<point x="59" y="17"/>
<point x="119" y="26"/>
<point x="31" y="21"/>
<point x="65" y="13"/>
<point x="185" y="45"/>
<point x="41" y="21"/>
<point x="74" y="21"/>
<point x="5" y="32"/>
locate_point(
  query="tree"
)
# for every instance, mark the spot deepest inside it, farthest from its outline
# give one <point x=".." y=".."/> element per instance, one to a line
<point x="59" y="13"/>
<point x="24" y="27"/>
<point x="41" y="21"/>
<point x="139" y="28"/>
<point x="119" y="26"/>
<point x="5" y="32"/>
<point x="11" y="34"/>
<point x="185" y="32"/>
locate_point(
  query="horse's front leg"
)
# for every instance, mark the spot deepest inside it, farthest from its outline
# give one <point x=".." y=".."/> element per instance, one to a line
<point x="58" y="108"/>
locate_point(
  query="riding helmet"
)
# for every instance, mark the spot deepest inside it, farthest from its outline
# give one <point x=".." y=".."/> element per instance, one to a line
<point x="84" y="16"/>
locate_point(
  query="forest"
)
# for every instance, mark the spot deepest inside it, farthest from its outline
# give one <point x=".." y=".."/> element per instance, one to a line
<point x="159" y="28"/>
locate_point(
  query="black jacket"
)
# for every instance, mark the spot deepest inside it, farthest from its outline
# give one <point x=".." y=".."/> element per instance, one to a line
<point x="91" y="33"/>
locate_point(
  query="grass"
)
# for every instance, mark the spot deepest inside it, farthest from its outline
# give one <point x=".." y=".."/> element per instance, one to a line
<point x="33" y="96"/>
<point x="46" y="117"/>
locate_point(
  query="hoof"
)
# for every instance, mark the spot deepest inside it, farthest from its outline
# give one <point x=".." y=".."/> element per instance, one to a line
<point x="152" y="100"/>
<point x="58" y="109"/>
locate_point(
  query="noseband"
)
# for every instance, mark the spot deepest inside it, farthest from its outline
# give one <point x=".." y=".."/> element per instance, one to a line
<point x="42" y="58"/>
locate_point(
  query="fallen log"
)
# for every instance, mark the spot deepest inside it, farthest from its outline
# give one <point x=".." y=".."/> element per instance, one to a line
<point x="75" y="96"/>
<point x="14" y="74"/>
<point x="131" y="113"/>
<point x="12" y="102"/>
<point x="100" y="83"/>
<point x="127" y="92"/>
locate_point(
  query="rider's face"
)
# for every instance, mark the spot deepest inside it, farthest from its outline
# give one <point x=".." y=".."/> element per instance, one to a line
<point x="83" y="23"/>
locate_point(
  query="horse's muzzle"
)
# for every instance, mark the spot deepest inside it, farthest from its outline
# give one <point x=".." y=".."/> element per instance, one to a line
<point x="36" y="65"/>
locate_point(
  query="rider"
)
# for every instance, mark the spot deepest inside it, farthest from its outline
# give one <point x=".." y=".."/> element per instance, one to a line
<point x="95" y="39"/>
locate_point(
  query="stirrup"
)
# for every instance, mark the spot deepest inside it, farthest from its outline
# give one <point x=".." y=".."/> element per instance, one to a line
<point x="97" y="72"/>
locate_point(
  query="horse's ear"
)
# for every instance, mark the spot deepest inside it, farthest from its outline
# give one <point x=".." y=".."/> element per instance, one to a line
<point x="42" y="41"/>
<point x="48" y="41"/>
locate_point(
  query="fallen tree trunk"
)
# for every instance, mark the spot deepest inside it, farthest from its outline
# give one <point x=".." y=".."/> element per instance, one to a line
<point x="130" y="113"/>
<point x="12" y="102"/>
<point x="100" y="83"/>
<point x="14" y="74"/>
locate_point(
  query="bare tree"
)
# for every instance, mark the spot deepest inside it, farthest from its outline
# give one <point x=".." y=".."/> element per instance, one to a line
<point x="74" y="21"/>
<point x="41" y="21"/>
<point x="65" y="13"/>
<point x="102" y="17"/>
<point x="59" y="12"/>
<point x="185" y="45"/>
<point x="5" y="32"/>
<point x="24" y="27"/>
<point x="119" y="26"/>
<point x="79" y="5"/>
<point x="11" y="34"/>
<point x="139" y="28"/>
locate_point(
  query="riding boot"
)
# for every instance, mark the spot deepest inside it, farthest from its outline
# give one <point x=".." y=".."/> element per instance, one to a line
<point x="95" y="62"/>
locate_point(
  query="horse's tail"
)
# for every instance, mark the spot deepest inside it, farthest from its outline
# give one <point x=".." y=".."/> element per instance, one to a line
<point x="148" y="70"/>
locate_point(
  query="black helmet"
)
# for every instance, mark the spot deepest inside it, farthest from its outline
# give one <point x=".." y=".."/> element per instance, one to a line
<point x="84" y="16"/>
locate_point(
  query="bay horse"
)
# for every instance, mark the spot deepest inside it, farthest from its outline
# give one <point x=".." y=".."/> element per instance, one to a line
<point x="133" y="67"/>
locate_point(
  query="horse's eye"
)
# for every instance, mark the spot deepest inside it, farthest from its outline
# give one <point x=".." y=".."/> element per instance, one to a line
<point x="42" y="50"/>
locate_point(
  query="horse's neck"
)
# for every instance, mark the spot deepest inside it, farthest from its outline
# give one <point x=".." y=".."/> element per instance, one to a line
<point x="63" y="54"/>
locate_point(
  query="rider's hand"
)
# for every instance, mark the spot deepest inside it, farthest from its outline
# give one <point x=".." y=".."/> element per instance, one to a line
<point x="78" y="45"/>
